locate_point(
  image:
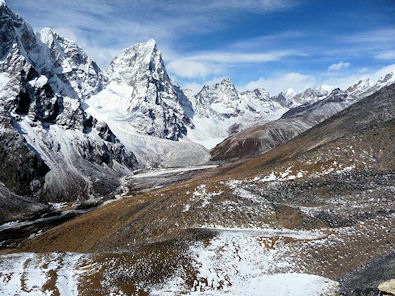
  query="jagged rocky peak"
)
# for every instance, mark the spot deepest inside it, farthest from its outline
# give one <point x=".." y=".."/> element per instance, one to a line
<point x="134" y="62"/>
<point x="151" y="101"/>
<point x="223" y="91"/>
<point x="387" y="79"/>
<point x="69" y="69"/>
<point x="257" y="94"/>
<point x="360" y="86"/>
<point x="66" y="59"/>
<point x="284" y="98"/>
<point x="310" y="95"/>
<point x="18" y="43"/>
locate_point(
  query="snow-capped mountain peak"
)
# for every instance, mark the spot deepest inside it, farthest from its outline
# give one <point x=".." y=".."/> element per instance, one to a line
<point x="365" y="86"/>
<point x="65" y="59"/>
<point x="2" y="2"/>
<point x="223" y="91"/>
<point x="360" y="86"/>
<point x="289" y="93"/>
<point x="151" y="103"/>
<point x="310" y="95"/>
<point x="46" y="35"/>
<point x="387" y="79"/>
<point x="220" y="110"/>
<point x="132" y="63"/>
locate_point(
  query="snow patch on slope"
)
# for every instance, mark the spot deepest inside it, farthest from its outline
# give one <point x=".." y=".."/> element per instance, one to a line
<point x="29" y="273"/>
<point x="237" y="264"/>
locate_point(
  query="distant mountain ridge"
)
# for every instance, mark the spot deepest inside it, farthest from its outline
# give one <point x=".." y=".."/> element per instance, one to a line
<point x="261" y="138"/>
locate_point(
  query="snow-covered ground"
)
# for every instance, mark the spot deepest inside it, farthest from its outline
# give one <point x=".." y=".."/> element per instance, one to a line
<point x="33" y="274"/>
<point x="242" y="262"/>
<point x="235" y="262"/>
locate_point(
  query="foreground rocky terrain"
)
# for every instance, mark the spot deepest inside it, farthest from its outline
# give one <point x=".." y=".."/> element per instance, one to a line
<point x="311" y="216"/>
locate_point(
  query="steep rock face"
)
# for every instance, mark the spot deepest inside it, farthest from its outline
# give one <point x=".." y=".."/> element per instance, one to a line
<point x="284" y="98"/>
<point x="55" y="151"/>
<point x="220" y="110"/>
<point x="72" y="144"/>
<point x="155" y="105"/>
<point x="219" y="100"/>
<point x="21" y="169"/>
<point x="69" y="70"/>
<point x="68" y="61"/>
<point x="18" y="42"/>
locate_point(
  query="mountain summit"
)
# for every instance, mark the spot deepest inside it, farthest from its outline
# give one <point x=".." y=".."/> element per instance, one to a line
<point x="151" y="102"/>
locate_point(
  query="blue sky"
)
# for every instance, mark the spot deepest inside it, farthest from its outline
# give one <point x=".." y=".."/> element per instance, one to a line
<point x="274" y="44"/>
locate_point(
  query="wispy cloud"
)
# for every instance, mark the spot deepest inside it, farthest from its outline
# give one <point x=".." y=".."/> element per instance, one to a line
<point x="373" y="36"/>
<point x="338" y="66"/>
<point x="202" y="64"/>
<point x="192" y="69"/>
<point x="265" y="41"/>
<point x="296" y="81"/>
<point x="386" y="55"/>
<point x="104" y="27"/>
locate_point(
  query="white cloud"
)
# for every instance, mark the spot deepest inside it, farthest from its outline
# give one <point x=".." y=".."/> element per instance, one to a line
<point x="386" y="55"/>
<point x="189" y="69"/>
<point x="338" y="66"/>
<point x="265" y="40"/>
<point x="296" y="81"/>
<point x="373" y="36"/>
<point x="114" y="25"/>
<point x="216" y="62"/>
<point x="239" y="57"/>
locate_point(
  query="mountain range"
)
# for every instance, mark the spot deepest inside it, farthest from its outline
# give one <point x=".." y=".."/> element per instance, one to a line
<point x="120" y="182"/>
<point x="72" y="131"/>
